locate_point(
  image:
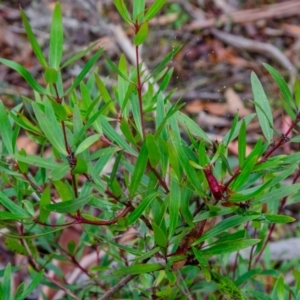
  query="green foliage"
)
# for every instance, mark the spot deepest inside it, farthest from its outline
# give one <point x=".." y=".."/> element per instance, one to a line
<point x="185" y="200"/>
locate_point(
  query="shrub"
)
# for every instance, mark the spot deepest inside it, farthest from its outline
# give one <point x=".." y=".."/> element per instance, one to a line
<point x="185" y="204"/>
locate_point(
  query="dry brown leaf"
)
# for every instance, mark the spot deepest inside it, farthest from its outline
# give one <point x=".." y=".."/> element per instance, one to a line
<point x="235" y="103"/>
<point x="24" y="142"/>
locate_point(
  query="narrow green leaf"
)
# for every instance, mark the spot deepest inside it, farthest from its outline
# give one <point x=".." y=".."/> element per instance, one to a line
<point x="116" y="69"/>
<point x="4" y="215"/>
<point x="33" y="284"/>
<point x="278" y="218"/>
<point x="245" y="173"/>
<point x="34" y="44"/>
<point x="6" y="130"/>
<point x="138" y="10"/>
<point x="87" y="143"/>
<point x="91" y="62"/>
<point x="38" y="161"/>
<point x="262" y="108"/>
<point x="51" y="75"/>
<point x="78" y="55"/>
<point x="224" y="225"/>
<point x="174" y="204"/>
<point x="50" y="127"/>
<point x="242" y="144"/>
<point x="227" y="247"/>
<point x="69" y="206"/>
<point x="141" y="35"/>
<point x="154" y="9"/>
<point x="7" y="281"/>
<point x="114" y="136"/>
<point x="227" y="287"/>
<point x="153" y="150"/>
<point x="277" y="194"/>
<point x="105" y="95"/>
<point x="15" y="247"/>
<point x="126" y="130"/>
<point x="45" y="200"/>
<point x="199" y="256"/>
<point x="283" y="87"/>
<point x="138" y="269"/>
<point x="25" y="74"/>
<point x="123" y="11"/>
<point x="63" y="191"/>
<point x="11" y="206"/>
<point x="134" y="215"/>
<point x="297" y="93"/>
<point x="230" y="137"/>
<point x="192" y="126"/>
<point x="159" y="236"/>
<point x="139" y="170"/>
<point x="56" y="38"/>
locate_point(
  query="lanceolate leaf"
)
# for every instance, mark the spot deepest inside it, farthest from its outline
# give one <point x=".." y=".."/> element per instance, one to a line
<point x="139" y="170"/>
<point x="283" y="87"/>
<point x="6" y="132"/>
<point x="56" y="38"/>
<point x="122" y="9"/>
<point x="34" y="44"/>
<point x="142" y="34"/>
<point x="85" y="70"/>
<point x="262" y="107"/>
<point x="68" y="206"/>
<point x="174" y="204"/>
<point x="141" y="207"/>
<point x="11" y="206"/>
<point x="277" y="194"/>
<point x="50" y="127"/>
<point x="228" y="247"/>
<point x="25" y="74"/>
<point x="224" y="225"/>
<point x="154" y="9"/>
<point x="138" y="269"/>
